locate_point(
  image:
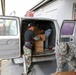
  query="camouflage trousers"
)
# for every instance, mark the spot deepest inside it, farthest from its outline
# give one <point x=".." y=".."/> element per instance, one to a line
<point x="61" y="64"/>
<point x="27" y="54"/>
<point x="66" y="54"/>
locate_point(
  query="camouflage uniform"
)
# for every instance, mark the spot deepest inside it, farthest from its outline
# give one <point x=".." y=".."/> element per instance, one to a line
<point x="27" y="54"/>
<point x="65" y="53"/>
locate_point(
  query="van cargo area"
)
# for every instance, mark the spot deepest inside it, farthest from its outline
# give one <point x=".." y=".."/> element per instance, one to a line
<point x="39" y="47"/>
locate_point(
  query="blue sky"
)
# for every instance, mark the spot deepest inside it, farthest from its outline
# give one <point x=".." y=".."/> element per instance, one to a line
<point x="19" y="6"/>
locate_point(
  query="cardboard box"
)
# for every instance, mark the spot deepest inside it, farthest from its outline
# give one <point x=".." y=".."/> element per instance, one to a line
<point x="39" y="46"/>
<point x="64" y="73"/>
<point x="39" y="49"/>
<point x="42" y="36"/>
<point x="39" y="43"/>
<point x="37" y="31"/>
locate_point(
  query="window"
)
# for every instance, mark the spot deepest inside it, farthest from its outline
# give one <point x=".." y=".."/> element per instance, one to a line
<point x="8" y="27"/>
<point x="13" y="28"/>
<point x="67" y="28"/>
<point x="74" y="11"/>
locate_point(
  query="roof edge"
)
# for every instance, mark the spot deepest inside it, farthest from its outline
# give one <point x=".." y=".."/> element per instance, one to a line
<point x="40" y="4"/>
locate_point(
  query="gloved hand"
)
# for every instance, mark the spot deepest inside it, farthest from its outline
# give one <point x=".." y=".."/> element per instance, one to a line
<point x="37" y="38"/>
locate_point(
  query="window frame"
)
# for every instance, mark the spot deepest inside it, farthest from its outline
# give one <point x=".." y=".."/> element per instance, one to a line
<point x="74" y="11"/>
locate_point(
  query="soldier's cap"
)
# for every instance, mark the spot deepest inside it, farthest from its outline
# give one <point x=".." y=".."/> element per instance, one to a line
<point x="30" y="25"/>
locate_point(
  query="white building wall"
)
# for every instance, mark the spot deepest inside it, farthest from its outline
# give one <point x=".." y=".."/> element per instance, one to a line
<point x="59" y="10"/>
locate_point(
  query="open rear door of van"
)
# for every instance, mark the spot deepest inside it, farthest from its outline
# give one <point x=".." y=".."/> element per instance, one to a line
<point x="9" y="37"/>
<point x="68" y="32"/>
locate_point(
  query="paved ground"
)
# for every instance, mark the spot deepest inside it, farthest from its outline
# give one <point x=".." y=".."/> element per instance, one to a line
<point x="42" y="68"/>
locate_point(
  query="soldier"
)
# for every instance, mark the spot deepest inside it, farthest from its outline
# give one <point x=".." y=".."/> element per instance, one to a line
<point x="65" y="53"/>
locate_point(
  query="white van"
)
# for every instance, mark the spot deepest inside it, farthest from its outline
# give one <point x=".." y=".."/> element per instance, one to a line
<point x="12" y="37"/>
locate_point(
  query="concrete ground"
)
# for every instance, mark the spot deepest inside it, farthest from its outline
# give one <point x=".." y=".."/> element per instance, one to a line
<point x="41" y="68"/>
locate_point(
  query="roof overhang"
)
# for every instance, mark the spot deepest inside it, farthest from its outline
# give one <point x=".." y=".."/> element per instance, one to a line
<point x="42" y="3"/>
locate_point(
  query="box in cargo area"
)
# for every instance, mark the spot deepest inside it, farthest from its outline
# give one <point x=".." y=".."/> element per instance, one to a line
<point x="37" y="31"/>
<point x="39" y="43"/>
<point x="39" y="46"/>
<point x="64" y="73"/>
<point x="42" y="36"/>
<point x="39" y="49"/>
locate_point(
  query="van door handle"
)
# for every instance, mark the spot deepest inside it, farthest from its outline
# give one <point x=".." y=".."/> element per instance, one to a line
<point x="71" y="39"/>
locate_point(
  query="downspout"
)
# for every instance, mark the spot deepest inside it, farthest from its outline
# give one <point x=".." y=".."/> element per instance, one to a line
<point x="3" y="7"/>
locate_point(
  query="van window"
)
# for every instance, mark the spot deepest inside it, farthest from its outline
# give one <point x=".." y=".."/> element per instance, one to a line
<point x="67" y="28"/>
<point x="8" y="27"/>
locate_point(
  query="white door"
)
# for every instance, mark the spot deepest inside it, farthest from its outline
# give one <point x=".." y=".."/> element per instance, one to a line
<point x="67" y="31"/>
<point x="9" y="37"/>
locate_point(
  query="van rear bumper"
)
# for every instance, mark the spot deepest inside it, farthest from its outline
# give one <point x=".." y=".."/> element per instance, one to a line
<point x="44" y="58"/>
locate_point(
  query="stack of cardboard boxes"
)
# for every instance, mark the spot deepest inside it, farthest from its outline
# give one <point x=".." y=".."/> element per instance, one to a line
<point x="39" y="45"/>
